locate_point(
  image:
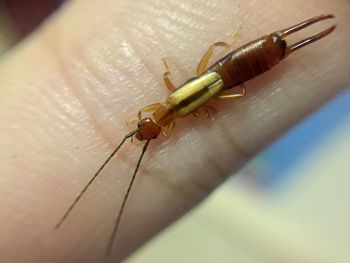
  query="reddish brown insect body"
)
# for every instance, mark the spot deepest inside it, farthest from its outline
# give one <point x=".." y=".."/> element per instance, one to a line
<point x="234" y="69"/>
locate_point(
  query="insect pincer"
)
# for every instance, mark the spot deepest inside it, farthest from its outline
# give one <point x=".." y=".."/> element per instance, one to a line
<point x="290" y="30"/>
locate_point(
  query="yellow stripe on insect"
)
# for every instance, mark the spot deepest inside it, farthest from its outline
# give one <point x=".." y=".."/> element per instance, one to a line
<point x="194" y="94"/>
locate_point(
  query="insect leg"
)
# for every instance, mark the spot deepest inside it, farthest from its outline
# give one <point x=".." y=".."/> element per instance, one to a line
<point x="228" y="95"/>
<point x="167" y="81"/>
<point x="203" y="114"/>
<point x="149" y="108"/>
<point x="168" y="129"/>
<point x="133" y="121"/>
<point x="203" y="63"/>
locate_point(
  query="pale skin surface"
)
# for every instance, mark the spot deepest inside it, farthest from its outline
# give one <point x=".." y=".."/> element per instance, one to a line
<point x="67" y="91"/>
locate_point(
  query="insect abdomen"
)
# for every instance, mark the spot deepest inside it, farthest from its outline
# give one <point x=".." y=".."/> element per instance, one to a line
<point x="250" y="60"/>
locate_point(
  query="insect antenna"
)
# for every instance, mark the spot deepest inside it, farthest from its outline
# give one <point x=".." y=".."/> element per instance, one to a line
<point x="120" y="213"/>
<point x="64" y="217"/>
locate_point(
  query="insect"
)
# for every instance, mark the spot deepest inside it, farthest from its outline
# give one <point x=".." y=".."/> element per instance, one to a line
<point x="216" y="81"/>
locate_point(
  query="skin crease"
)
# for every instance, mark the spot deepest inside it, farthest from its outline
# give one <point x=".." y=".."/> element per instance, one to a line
<point x="67" y="90"/>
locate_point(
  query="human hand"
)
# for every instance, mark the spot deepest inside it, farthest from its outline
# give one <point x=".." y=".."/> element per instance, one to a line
<point x="68" y="89"/>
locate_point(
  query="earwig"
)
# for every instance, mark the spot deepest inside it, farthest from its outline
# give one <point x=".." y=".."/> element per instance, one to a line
<point x="232" y="70"/>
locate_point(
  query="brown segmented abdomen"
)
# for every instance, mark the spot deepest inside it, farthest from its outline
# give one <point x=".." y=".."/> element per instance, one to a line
<point x="249" y="60"/>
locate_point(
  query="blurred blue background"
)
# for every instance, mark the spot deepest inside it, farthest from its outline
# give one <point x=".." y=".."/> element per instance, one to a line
<point x="272" y="167"/>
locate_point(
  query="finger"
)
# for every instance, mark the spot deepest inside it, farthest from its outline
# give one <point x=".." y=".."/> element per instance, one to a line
<point x="92" y="68"/>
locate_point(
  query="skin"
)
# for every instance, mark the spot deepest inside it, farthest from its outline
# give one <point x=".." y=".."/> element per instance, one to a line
<point x="68" y="88"/>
